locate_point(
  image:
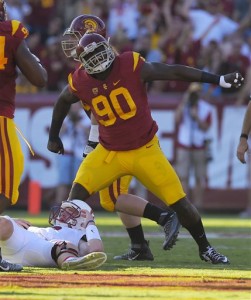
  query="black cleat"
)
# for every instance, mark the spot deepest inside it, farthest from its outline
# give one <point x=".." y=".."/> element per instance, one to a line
<point x="6" y="266"/>
<point x="171" y="230"/>
<point x="137" y="252"/>
<point x="214" y="257"/>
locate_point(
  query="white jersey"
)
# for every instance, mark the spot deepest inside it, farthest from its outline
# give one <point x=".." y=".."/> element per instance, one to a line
<point x="59" y="233"/>
<point x="32" y="247"/>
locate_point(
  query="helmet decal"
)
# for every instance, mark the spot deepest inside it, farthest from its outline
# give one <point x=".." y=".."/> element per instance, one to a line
<point x="79" y="26"/>
<point x="90" y="25"/>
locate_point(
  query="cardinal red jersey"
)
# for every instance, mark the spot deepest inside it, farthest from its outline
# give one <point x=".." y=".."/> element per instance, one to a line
<point x="11" y="35"/>
<point x="119" y="103"/>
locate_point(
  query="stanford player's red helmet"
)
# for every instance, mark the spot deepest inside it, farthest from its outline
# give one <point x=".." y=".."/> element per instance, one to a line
<point x="3" y="14"/>
<point x="79" y="26"/>
<point x="95" y="53"/>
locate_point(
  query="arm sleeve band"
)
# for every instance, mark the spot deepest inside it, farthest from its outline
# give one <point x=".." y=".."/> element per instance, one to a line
<point x="92" y="233"/>
<point x="244" y="135"/>
<point x="210" y="78"/>
<point x="94" y="134"/>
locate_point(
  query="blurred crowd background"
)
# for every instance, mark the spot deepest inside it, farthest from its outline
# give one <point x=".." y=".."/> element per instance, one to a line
<point x="212" y="35"/>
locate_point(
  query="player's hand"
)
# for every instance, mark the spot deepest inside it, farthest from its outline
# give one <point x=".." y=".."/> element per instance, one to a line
<point x="89" y="217"/>
<point x="55" y="145"/>
<point x="231" y="80"/>
<point x="241" y="150"/>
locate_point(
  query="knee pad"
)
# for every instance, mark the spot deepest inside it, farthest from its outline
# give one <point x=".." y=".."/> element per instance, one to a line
<point x="60" y="248"/>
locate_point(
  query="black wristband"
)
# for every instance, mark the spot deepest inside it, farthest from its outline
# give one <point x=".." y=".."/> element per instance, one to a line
<point x="92" y="144"/>
<point x="210" y="78"/>
<point x="90" y="221"/>
<point x="244" y="135"/>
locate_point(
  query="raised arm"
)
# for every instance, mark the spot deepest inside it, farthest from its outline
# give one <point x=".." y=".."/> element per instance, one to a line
<point x="161" y="71"/>
<point x="30" y="66"/>
<point x="60" y="111"/>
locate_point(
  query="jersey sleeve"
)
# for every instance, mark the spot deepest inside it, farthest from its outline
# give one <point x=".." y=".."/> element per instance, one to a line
<point x="73" y="90"/>
<point x="18" y="30"/>
<point x="87" y="109"/>
<point x="138" y="61"/>
<point x="71" y="84"/>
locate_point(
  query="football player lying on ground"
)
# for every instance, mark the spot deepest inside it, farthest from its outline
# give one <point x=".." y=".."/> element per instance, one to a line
<point x="114" y="87"/>
<point x="72" y="243"/>
<point x="139" y="248"/>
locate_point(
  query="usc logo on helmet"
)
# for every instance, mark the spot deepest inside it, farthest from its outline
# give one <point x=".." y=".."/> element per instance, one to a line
<point x="90" y="25"/>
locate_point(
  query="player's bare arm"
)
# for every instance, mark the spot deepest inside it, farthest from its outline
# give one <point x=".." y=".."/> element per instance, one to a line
<point x="60" y="111"/>
<point x="245" y="131"/>
<point x="160" y="71"/>
<point x="30" y="66"/>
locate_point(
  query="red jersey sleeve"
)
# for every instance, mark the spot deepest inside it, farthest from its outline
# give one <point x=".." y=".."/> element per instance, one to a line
<point x="12" y="33"/>
<point x="18" y="30"/>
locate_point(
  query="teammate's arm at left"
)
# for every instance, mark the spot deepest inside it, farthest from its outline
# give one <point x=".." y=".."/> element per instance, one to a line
<point x="29" y="66"/>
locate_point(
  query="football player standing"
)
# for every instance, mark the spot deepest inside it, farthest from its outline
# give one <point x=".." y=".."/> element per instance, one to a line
<point x="117" y="97"/>
<point x="139" y="249"/>
<point x="13" y="53"/>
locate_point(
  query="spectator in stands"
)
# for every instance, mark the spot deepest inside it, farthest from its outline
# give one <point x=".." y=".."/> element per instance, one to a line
<point x="121" y="42"/>
<point x="235" y="60"/>
<point x="244" y="9"/>
<point x="54" y="63"/>
<point x="210" y="60"/>
<point x="42" y="12"/>
<point x="144" y="47"/>
<point x="164" y="20"/>
<point x="123" y="15"/>
<point x="55" y="27"/>
<point x="18" y="10"/>
<point x="187" y="51"/>
<point x="193" y="118"/>
<point x="212" y="15"/>
<point x="167" y="42"/>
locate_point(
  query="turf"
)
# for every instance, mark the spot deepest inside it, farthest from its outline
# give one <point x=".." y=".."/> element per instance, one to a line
<point x="175" y="274"/>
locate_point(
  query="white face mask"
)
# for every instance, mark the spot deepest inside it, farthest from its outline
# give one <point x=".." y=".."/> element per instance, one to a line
<point x="100" y="60"/>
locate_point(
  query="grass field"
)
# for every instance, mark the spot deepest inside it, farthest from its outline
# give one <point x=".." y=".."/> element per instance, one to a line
<point x="176" y="274"/>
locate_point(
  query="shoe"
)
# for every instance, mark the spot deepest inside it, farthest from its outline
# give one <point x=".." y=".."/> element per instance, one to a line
<point x="90" y="261"/>
<point x="171" y="230"/>
<point x="137" y="252"/>
<point x="6" y="266"/>
<point x="214" y="257"/>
